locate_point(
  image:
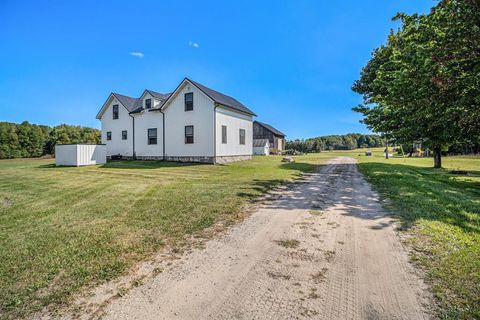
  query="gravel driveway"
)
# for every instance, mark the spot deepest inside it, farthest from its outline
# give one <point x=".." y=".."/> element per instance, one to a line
<point x="323" y="250"/>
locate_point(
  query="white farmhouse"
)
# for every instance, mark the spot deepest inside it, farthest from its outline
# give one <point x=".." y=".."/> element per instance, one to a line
<point x="192" y="124"/>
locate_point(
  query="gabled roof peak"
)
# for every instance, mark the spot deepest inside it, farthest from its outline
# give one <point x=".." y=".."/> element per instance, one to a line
<point x="221" y="98"/>
<point x="134" y="105"/>
<point x="158" y="95"/>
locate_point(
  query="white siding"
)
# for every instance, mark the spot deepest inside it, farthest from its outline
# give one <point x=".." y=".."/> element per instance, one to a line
<point x="145" y="96"/>
<point x="80" y="154"/>
<point x="201" y="117"/>
<point x="116" y="126"/>
<point x="206" y="120"/>
<point x="264" y="151"/>
<point x="91" y="154"/>
<point x="143" y="122"/>
<point x="66" y="155"/>
<point x="234" y="121"/>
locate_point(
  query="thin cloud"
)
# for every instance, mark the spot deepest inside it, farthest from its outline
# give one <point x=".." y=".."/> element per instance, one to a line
<point x="193" y="44"/>
<point x="137" y="54"/>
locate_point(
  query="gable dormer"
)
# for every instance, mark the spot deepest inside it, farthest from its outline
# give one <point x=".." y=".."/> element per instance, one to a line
<point x="152" y="100"/>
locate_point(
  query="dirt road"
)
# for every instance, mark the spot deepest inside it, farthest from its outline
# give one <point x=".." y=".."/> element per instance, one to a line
<point x="323" y="250"/>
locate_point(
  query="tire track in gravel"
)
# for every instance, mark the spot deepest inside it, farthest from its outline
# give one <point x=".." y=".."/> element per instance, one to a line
<point x="323" y="250"/>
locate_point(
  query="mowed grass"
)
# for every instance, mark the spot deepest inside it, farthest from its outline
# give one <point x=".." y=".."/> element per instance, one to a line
<point x="440" y="213"/>
<point x="63" y="228"/>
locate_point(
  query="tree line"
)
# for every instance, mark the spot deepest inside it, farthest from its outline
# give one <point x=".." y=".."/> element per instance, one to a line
<point x="335" y="142"/>
<point x="27" y="140"/>
<point x="423" y="85"/>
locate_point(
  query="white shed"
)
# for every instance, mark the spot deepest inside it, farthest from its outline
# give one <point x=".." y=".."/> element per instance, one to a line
<point x="80" y="154"/>
<point x="261" y="147"/>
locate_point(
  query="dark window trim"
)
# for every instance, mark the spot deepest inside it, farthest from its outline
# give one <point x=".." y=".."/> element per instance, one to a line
<point x="240" y="136"/>
<point x="152" y="139"/>
<point x="188" y="104"/>
<point x="115" y="111"/>
<point x="189" y="138"/>
<point x="109" y="135"/>
<point x="224" y="135"/>
<point x="124" y="135"/>
<point x="149" y="104"/>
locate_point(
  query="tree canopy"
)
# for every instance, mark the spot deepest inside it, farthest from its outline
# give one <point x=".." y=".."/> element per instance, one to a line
<point x="424" y="83"/>
<point x="27" y="140"/>
<point x="335" y="142"/>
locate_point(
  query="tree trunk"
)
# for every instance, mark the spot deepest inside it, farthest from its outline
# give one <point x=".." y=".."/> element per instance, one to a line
<point x="386" y="150"/>
<point x="437" y="157"/>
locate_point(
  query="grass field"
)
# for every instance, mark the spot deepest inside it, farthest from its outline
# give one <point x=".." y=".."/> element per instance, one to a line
<point x="65" y="228"/>
<point x="440" y="214"/>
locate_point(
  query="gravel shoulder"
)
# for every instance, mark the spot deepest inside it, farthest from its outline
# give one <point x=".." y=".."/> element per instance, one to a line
<point x="325" y="249"/>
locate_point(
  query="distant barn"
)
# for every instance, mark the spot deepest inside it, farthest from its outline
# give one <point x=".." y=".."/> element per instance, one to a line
<point x="275" y="137"/>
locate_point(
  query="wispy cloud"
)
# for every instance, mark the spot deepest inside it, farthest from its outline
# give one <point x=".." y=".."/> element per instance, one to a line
<point x="137" y="54"/>
<point x="193" y="44"/>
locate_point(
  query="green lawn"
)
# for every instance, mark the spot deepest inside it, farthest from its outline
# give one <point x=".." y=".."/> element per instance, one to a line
<point x="440" y="214"/>
<point x="62" y="229"/>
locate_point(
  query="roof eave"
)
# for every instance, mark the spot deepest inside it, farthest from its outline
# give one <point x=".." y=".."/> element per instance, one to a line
<point x="234" y="109"/>
<point x="101" y="112"/>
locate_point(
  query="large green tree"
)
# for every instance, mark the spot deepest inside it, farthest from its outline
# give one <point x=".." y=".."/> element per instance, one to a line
<point x="423" y="85"/>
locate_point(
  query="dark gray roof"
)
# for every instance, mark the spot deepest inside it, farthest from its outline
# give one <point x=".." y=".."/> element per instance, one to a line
<point x="223" y="99"/>
<point x="128" y="102"/>
<point x="135" y="105"/>
<point x="138" y="106"/>
<point x="260" y="142"/>
<point x="272" y="129"/>
<point x="161" y="96"/>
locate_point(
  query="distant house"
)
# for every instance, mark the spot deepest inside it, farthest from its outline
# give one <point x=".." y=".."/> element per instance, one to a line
<point x="193" y="124"/>
<point x="261" y="147"/>
<point x="275" y="137"/>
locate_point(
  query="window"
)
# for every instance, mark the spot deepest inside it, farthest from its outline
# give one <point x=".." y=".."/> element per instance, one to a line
<point x="148" y="103"/>
<point x="115" y="111"/>
<point x="152" y="136"/>
<point x="242" y="136"/>
<point x="224" y="134"/>
<point x="124" y="135"/>
<point x="109" y="135"/>
<point x="189" y="101"/>
<point x="188" y="134"/>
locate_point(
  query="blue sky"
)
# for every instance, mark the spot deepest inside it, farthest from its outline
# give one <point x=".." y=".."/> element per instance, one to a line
<point x="292" y="62"/>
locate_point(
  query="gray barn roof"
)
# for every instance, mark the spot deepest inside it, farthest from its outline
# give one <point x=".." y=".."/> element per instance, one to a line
<point x="270" y="128"/>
